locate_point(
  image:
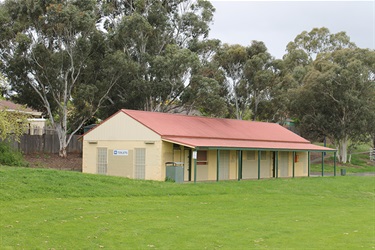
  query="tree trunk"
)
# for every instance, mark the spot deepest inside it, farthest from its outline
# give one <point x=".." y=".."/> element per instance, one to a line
<point x="343" y="150"/>
<point x="62" y="153"/>
<point x="256" y="103"/>
<point x="61" y="133"/>
<point x="238" y="113"/>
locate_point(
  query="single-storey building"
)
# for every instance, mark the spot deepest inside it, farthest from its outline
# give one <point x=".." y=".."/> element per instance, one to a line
<point x="36" y="122"/>
<point x="141" y="145"/>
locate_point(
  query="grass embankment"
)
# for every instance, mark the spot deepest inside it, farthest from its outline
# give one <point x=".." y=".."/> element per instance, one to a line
<point x="360" y="162"/>
<point x="49" y="209"/>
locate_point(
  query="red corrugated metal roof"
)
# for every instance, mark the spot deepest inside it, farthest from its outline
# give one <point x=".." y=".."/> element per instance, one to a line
<point x="196" y="131"/>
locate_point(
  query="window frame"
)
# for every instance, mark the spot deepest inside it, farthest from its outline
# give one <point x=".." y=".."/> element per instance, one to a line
<point x="202" y="156"/>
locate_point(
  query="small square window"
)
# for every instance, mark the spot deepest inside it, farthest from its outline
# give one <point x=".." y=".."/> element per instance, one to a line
<point x="202" y="158"/>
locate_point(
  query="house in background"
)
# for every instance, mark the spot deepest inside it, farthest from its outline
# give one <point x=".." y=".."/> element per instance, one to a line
<point x="139" y="144"/>
<point x="37" y="123"/>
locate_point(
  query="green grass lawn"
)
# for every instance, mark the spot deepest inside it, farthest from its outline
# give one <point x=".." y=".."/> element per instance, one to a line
<point x="50" y="209"/>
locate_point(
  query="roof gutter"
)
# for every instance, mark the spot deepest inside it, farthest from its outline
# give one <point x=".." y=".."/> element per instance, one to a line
<point x="265" y="149"/>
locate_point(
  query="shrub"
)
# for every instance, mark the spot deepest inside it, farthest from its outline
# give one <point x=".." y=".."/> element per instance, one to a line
<point x="11" y="157"/>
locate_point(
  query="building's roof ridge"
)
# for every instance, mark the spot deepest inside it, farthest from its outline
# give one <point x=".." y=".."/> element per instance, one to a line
<point x="191" y="116"/>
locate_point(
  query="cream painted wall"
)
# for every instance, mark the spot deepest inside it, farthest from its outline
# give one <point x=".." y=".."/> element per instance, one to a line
<point x="124" y="133"/>
<point x="121" y="127"/>
<point x="37" y="126"/>
<point x="124" y="165"/>
<point x="249" y="164"/>
<point x="301" y="167"/>
<point x="233" y="165"/>
<point x="167" y="156"/>
<point x="250" y="167"/>
<point x="212" y="164"/>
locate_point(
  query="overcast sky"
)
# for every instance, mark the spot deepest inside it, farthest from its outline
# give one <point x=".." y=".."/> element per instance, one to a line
<point x="278" y="22"/>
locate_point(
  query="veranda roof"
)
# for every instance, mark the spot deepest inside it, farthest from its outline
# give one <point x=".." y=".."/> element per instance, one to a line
<point x="204" y="132"/>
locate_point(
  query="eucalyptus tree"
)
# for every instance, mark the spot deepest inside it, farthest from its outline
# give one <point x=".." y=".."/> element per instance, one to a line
<point x="249" y="74"/>
<point x="319" y="40"/>
<point x="258" y="76"/>
<point x="306" y="46"/>
<point x="53" y="49"/>
<point x="232" y="59"/>
<point x="325" y="73"/>
<point x="297" y="62"/>
<point x="156" y="36"/>
<point x="207" y="91"/>
<point x="3" y="86"/>
<point x="337" y="99"/>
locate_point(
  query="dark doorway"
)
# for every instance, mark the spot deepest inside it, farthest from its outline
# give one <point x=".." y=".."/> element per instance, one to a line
<point x="273" y="164"/>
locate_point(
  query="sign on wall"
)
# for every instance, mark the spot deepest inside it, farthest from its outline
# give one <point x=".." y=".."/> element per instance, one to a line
<point x="120" y="152"/>
<point x="195" y="155"/>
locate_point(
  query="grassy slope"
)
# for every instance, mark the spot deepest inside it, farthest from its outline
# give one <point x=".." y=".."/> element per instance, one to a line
<point x="45" y="209"/>
<point x="360" y="162"/>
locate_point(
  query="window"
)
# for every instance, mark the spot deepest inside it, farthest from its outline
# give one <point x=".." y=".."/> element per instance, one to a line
<point x="202" y="158"/>
<point x="102" y="161"/>
<point x="250" y="155"/>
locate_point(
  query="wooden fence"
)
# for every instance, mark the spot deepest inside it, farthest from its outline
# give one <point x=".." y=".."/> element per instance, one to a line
<point x="30" y="144"/>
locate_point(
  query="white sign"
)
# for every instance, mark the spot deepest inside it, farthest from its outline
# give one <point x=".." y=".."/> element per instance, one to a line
<point x="194" y="154"/>
<point x="120" y="152"/>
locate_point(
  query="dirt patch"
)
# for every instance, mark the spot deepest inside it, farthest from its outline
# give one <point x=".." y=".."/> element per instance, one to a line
<point x="72" y="162"/>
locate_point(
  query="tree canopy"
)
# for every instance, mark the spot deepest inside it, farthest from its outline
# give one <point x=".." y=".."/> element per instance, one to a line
<point x="337" y="99"/>
<point x="12" y="123"/>
<point x="54" y="57"/>
<point x="79" y="59"/>
<point x="74" y="58"/>
<point x="156" y="36"/>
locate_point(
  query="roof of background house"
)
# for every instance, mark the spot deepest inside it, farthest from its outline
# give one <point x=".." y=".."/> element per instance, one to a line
<point x="11" y="106"/>
<point x="205" y="132"/>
